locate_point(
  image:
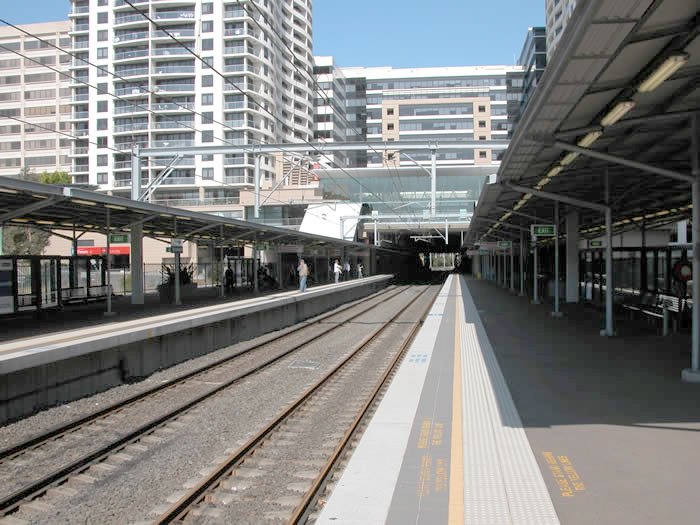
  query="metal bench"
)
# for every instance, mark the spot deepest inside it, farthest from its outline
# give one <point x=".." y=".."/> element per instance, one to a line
<point x="654" y="310"/>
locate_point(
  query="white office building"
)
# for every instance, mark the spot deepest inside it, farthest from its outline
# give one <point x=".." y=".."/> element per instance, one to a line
<point x="150" y="90"/>
<point x="428" y="104"/>
<point x="34" y="98"/>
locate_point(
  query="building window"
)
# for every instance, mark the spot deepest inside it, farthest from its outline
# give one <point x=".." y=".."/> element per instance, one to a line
<point x="390" y="127"/>
<point x="207" y="8"/>
<point x="101" y="123"/>
<point x="209" y="61"/>
<point x="102" y="18"/>
<point x="102" y="35"/>
<point x="102" y="52"/>
<point x="390" y="111"/>
<point x="101" y="178"/>
<point x="207" y="173"/>
<point x="482" y="109"/>
<point x="102" y="160"/>
<point x="207" y="135"/>
<point x="207" y="80"/>
<point x="482" y="123"/>
<point x="207" y="44"/>
<point x="482" y="137"/>
<point x="482" y="154"/>
<point x="207" y="158"/>
<point x="102" y="2"/>
<point x="207" y="118"/>
<point x="207" y="26"/>
<point x="102" y="106"/>
<point x="102" y="88"/>
<point x="101" y="142"/>
<point x="207" y="99"/>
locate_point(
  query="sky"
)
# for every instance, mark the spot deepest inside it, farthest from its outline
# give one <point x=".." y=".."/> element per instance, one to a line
<point x="398" y="33"/>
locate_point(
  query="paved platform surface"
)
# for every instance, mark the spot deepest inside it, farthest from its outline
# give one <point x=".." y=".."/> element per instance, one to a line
<point x="546" y="422"/>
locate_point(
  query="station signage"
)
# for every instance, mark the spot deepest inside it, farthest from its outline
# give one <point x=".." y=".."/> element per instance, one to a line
<point x="99" y="250"/>
<point x="543" y="230"/>
<point x="595" y="244"/>
<point x="173" y="249"/>
<point x="504" y="245"/>
<point x="118" y="238"/>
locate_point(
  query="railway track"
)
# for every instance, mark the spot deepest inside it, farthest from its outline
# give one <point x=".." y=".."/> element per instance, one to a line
<point x="239" y="483"/>
<point x="64" y="435"/>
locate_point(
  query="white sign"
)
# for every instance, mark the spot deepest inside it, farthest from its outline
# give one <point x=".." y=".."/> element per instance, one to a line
<point x="176" y="242"/>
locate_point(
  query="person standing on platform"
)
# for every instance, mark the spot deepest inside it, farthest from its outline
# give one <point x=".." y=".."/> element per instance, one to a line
<point x="336" y="270"/>
<point x="303" y="274"/>
<point x="228" y="279"/>
<point x="346" y="271"/>
<point x="359" y="270"/>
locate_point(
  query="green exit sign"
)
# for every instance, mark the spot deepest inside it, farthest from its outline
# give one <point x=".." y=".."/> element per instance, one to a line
<point x="542" y="230"/>
<point x="504" y="245"/>
<point x="596" y="244"/>
<point x="119" y="238"/>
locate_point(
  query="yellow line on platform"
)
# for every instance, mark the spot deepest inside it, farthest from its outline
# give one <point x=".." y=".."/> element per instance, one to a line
<point x="456" y="498"/>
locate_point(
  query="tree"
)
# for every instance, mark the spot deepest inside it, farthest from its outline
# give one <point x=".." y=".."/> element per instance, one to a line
<point x="26" y="240"/>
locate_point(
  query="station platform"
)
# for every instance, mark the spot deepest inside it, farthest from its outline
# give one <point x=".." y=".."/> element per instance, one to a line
<point x="500" y="414"/>
<point x="51" y="368"/>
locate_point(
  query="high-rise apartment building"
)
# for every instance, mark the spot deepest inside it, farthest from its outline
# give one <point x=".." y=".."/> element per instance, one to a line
<point x="558" y="14"/>
<point x="148" y="89"/>
<point x="521" y="84"/>
<point x="330" y="108"/>
<point x="427" y="104"/>
<point x="38" y="97"/>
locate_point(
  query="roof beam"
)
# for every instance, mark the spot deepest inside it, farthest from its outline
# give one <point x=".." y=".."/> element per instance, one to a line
<point x="30" y="208"/>
<point x="623" y="161"/>
<point x="630" y="122"/>
<point x="556" y="197"/>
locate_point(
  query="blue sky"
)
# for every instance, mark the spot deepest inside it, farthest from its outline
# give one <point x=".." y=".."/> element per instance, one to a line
<point x="399" y="33"/>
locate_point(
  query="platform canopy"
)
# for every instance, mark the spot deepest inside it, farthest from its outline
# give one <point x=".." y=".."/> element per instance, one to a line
<point x="60" y="209"/>
<point x="612" y="110"/>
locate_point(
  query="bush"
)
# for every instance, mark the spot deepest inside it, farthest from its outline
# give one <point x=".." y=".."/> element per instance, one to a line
<point x="186" y="273"/>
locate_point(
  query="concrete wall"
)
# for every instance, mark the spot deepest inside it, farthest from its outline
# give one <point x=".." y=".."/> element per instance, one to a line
<point x="43" y="380"/>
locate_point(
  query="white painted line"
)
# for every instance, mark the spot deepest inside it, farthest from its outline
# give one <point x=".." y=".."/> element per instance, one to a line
<point x="363" y="493"/>
<point x="503" y="483"/>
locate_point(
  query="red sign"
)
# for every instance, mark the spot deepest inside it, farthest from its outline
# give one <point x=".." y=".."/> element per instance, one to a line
<point x="99" y="250"/>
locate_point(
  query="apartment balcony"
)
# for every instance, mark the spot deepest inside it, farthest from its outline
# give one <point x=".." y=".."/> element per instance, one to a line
<point x="126" y="183"/>
<point x="235" y="12"/>
<point x="81" y="132"/>
<point x="174" y="124"/>
<point x="129" y="55"/>
<point x="242" y="180"/>
<point x="81" y="168"/>
<point x="170" y="51"/>
<point x="234" y="50"/>
<point x="83" y="97"/>
<point x="179" y="181"/>
<point x="171" y="106"/>
<point x="122" y="3"/>
<point x="167" y="88"/>
<point x="80" y="115"/>
<point x="177" y="33"/>
<point x="132" y="72"/>
<point x="129" y="18"/>
<point x="80" y="151"/>
<point x="174" y="15"/>
<point x="79" y="10"/>
<point x="173" y="70"/>
<point x="130" y="91"/>
<point x="128" y="128"/>
<point x="130" y="37"/>
<point x="79" y="28"/>
<point x="127" y="146"/>
<point x="173" y="143"/>
<point x="138" y="107"/>
<point x="81" y="45"/>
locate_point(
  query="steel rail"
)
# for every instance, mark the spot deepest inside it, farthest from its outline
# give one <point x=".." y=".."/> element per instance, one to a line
<point x="300" y="513"/>
<point x="10" y="503"/>
<point x="196" y="494"/>
<point x="15" y="450"/>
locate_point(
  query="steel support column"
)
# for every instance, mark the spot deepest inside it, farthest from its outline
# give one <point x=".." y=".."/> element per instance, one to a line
<point x="433" y="181"/>
<point x="109" y="264"/>
<point x="136" y="233"/>
<point x="556" y="312"/>
<point x="535" y="298"/>
<point x="692" y="374"/>
<point x="512" y="269"/>
<point x="178" y="300"/>
<point x="522" y="265"/>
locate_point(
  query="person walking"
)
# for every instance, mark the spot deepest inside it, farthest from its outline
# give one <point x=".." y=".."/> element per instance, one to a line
<point x="336" y="270"/>
<point x="303" y="274"/>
